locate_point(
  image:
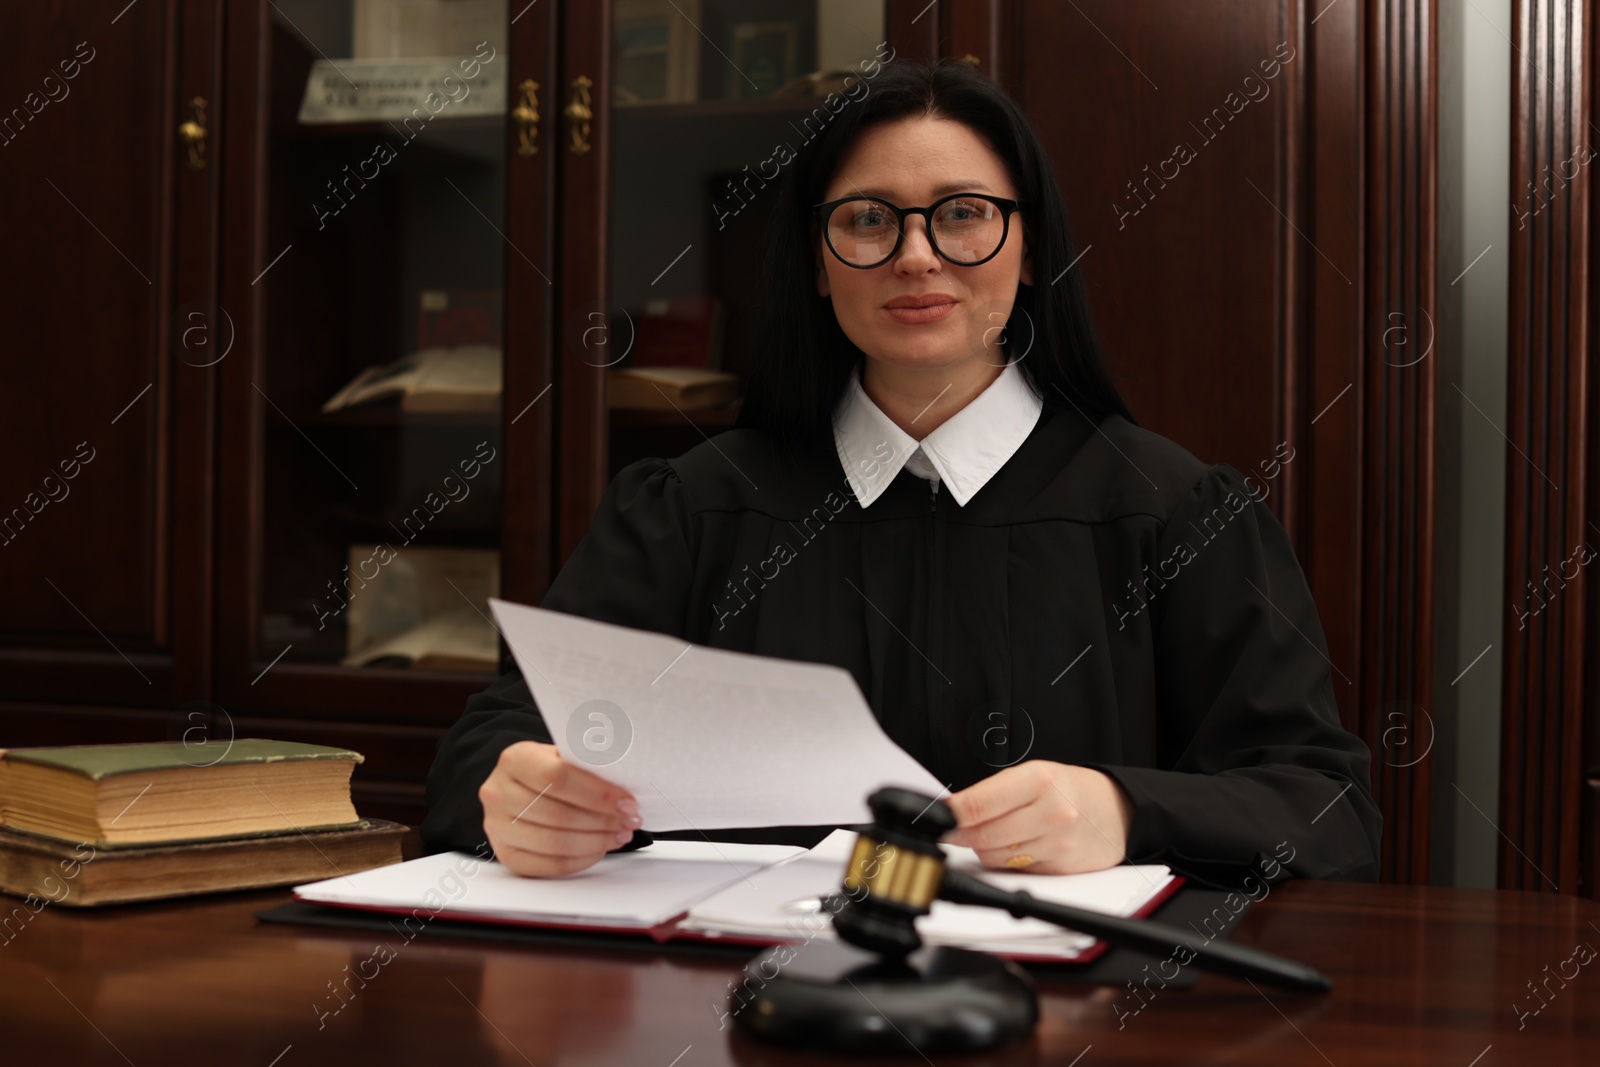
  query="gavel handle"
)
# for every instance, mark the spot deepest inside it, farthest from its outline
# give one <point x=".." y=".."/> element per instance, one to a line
<point x="1155" y="938"/>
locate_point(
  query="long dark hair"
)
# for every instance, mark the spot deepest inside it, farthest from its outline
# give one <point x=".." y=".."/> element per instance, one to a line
<point x="804" y="360"/>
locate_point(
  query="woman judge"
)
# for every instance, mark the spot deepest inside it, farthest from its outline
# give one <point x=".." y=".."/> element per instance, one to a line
<point x="1103" y="646"/>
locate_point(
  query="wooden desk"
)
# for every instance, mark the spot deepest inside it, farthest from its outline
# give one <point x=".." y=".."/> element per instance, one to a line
<point x="1425" y="976"/>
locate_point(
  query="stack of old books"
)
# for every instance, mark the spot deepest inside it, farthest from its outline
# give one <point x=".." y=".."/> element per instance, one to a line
<point x="100" y="824"/>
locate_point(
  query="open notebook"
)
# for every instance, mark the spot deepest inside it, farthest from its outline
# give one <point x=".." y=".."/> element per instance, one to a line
<point x="781" y="903"/>
<point x="755" y="894"/>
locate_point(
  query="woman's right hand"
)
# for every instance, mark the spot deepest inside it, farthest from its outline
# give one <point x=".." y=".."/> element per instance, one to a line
<point x="546" y="817"/>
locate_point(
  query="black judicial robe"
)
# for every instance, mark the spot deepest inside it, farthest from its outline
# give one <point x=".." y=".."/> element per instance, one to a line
<point x="1106" y="599"/>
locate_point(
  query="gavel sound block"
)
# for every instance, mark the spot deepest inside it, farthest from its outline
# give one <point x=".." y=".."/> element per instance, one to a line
<point x="879" y="991"/>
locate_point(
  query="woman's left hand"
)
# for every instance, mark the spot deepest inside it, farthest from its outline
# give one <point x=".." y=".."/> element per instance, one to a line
<point x="1044" y="817"/>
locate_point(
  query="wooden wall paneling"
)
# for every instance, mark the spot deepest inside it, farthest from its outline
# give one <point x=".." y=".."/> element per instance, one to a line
<point x="977" y="28"/>
<point x="1400" y="579"/>
<point x="1589" y="810"/>
<point x="1328" y="537"/>
<point x="241" y="153"/>
<point x="1399" y="576"/>
<point x="1274" y="256"/>
<point x="1440" y="731"/>
<point x="529" y="413"/>
<point x="913" y="27"/>
<point x="1589" y="806"/>
<point x="106" y="570"/>
<point x="1548" y="703"/>
<point x="30" y="723"/>
<point x="583" y="188"/>
<point x="1291" y="198"/>
<point x="1115" y="90"/>
<point x="201" y="337"/>
<point x="1190" y="194"/>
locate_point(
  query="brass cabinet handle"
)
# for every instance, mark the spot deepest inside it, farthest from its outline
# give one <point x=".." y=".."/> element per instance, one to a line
<point x="579" y="115"/>
<point x="193" y="134"/>
<point x="525" y="116"/>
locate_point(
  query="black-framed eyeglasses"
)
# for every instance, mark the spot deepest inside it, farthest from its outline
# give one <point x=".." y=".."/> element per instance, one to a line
<point x="964" y="228"/>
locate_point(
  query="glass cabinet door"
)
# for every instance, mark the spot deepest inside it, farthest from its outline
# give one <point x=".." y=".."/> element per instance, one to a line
<point x="377" y="469"/>
<point x="709" y="100"/>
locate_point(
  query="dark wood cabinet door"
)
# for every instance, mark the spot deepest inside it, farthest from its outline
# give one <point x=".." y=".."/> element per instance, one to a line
<point x="110" y="361"/>
<point x="653" y="191"/>
<point x="342" y="237"/>
<point x="352" y="238"/>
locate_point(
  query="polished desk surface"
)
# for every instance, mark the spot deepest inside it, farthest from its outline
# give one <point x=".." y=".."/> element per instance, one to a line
<point x="1423" y="976"/>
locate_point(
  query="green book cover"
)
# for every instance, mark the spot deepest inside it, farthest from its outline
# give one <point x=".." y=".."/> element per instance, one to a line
<point x="105" y="761"/>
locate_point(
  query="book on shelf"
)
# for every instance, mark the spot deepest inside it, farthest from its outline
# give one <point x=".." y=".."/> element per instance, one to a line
<point x="656" y="49"/>
<point x="80" y="876"/>
<point x="397" y="29"/>
<point x="679" y="331"/>
<point x="451" y="317"/>
<point x="670" y="388"/>
<point x="453" y="641"/>
<point x="422" y="608"/>
<point x="111" y="796"/>
<point x="764" y="54"/>
<point x="409" y="93"/>
<point x="463" y="379"/>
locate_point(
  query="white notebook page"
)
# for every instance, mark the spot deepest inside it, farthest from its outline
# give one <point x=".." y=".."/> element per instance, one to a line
<point x="624" y="890"/>
<point x="774" y="903"/>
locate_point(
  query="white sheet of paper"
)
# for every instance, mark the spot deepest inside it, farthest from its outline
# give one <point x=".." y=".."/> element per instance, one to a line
<point x="625" y="889"/>
<point x="774" y="901"/>
<point x="706" y="738"/>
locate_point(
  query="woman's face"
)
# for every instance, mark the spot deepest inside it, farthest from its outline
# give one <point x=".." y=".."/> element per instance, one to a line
<point x="912" y="163"/>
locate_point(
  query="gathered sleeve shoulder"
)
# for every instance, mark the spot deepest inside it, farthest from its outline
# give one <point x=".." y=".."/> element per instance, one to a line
<point x="633" y="568"/>
<point x="1257" y="774"/>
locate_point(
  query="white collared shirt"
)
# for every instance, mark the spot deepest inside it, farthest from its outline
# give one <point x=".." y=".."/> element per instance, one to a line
<point x="964" y="452"/>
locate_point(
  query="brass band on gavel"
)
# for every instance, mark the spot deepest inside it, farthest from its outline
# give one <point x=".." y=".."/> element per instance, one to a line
<point x="895" y="875"/>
